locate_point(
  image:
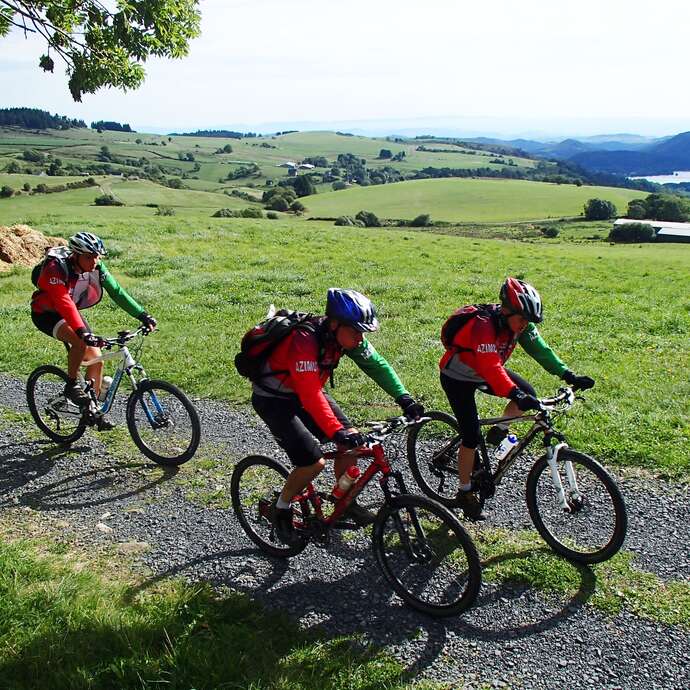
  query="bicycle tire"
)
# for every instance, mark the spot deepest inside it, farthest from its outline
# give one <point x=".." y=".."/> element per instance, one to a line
<point x="430" y="455"/>
<point x="459" y="577"/>
<point x="36" y="405"/>
<point x="180" y="449"/>
<point x="261" y="486"/>
<point x="597" y="491"/>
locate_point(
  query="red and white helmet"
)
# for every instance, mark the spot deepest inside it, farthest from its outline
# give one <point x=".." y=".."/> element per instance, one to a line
<point x="521" y="298"/>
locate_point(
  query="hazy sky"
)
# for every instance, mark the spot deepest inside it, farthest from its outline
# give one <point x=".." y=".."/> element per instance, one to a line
<point x="505" y="67"/>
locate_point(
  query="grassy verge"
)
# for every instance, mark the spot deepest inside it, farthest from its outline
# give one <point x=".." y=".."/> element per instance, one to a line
<point x="64" y="626"/>
<point x="609" y="587"/>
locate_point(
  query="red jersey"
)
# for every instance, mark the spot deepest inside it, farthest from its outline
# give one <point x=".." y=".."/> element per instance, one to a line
<point x="479" y="351"/>
<point x="302" y="368"/>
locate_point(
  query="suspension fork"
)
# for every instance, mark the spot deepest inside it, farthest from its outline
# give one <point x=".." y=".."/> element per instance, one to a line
<point x="552" y="458"/>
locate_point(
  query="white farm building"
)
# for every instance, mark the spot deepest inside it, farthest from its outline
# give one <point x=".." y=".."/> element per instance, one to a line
<point x="666" y="231"/>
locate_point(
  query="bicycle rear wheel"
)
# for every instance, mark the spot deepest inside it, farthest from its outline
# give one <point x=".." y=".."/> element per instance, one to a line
<point x="426" y="555"/>
<point x="163" y="422"/>
<point x="593" y="527"/>
<point x="432" y="452"/>
<point x="255" y="485"/>
<point x="58" y="418"/>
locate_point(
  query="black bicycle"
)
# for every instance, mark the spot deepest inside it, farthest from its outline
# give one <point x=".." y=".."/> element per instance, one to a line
<point x="161" y="420"/>
<point x="574" y="503"/>
<point x="421" y="548"/>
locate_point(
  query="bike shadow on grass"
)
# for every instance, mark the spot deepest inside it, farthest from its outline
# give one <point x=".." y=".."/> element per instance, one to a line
<point x="26" y="461"/>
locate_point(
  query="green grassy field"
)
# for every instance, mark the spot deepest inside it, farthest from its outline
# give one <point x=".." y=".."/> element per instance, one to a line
<point x="466" y="200"/>
<point x="608" y="313"/>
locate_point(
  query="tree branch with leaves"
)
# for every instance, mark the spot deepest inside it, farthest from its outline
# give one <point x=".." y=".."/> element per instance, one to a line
<point x="101" y="46"/>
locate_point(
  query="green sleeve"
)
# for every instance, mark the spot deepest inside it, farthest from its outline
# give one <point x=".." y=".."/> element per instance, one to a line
<point x="376" y="367"/>
<point x="119" y="295"/>
<point x="535" y="346"/>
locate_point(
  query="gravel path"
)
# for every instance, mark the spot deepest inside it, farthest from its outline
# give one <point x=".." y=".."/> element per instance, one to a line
<point x="514" y="636"/>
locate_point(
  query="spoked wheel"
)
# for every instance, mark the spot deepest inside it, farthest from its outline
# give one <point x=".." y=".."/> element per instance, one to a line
<point x="426" y="555"/>
<point x="432" y="451"/>
<point x="592" y="526"/>
<point x="58" y="418"/>
<point x="255" y="485"/>
<point x="163" y="422"/>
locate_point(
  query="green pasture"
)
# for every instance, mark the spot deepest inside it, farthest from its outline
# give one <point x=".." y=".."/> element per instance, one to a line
<point x="466" y="200"/>
<point x="618" y="313"/>
<point x="83" y="145"/>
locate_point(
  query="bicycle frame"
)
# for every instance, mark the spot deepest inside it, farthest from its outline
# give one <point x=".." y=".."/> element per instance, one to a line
<point x="541" y="424"/>
<point x="126" y="366"/>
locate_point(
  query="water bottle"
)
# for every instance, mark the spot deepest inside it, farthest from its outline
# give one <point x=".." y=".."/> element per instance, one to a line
<point x="507" y="444"/>
<point x="105" y="385"/>
<point x="347" y="479"/>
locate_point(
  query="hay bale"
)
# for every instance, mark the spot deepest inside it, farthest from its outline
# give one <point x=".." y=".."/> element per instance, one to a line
<point x="21" y="245"/>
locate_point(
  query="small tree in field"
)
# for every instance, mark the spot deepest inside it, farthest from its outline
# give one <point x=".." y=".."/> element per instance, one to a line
<point x="632" y="232"/>
<point x="599" y="209"/>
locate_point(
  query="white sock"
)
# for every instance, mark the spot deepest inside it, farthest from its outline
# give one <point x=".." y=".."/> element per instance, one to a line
<point x="466" y="487"/>
<point x="283" y="505"/>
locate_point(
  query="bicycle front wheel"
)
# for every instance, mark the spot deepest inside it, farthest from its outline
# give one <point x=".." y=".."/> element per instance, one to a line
<point x="255" y="485"/>
<point x="163" y="423"/>
<point x="58" y="418"/>
<point x="426" y="555"/>
<point x="590" y="526"/>
<point x="432" y="452"/>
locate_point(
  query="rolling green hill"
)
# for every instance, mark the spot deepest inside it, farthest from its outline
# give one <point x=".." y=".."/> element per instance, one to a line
<point x="466" y="200"/>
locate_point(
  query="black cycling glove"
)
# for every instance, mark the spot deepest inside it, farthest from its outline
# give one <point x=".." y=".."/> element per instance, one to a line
<point x="579" y="383"/>
<point x="148" y="321"/>
<point x="410" y="407"/>
<point x="89" y="338"/>
<point x="524" y="401"/>
<point x="349" y="439"/>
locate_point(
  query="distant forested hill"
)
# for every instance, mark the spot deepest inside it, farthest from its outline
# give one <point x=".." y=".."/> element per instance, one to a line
<point x="659" y="159"/>
<point x="33" y="118"/>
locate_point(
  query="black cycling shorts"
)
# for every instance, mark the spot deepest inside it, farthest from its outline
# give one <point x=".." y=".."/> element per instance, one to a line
<point x="293" y="427"/>
<point x="460" y="395"/>
<point x="50" y="321"/>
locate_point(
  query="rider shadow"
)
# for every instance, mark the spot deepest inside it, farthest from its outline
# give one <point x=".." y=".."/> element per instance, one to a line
<point x="483" y="624"/>
<point x="226" y="560"/>
<point x="383" y="619"/>
<point x="19" y="467"/>
<point x="91" y="488"/>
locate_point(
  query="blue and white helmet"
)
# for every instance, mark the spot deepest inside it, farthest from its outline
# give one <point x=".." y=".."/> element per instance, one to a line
<point x="351" y="308"/>
<point x="87" y="243"/>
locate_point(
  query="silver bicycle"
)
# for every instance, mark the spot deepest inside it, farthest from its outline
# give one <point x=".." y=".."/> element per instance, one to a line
<point x="161" y="420"/>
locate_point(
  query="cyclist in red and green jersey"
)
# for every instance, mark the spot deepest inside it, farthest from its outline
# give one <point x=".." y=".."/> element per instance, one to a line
<point x="70" y="279"/>
<point x="475" y="360"/>
<point x="289" y="396"/>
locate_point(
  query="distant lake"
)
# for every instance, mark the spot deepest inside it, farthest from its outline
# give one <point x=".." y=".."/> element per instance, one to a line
<point x="680" y="176"/>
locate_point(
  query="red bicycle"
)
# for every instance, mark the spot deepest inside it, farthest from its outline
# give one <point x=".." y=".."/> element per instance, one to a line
<point x="420" y="546"/>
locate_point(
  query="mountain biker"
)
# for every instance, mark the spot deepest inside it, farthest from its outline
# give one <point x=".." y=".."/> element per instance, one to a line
<point x="300" y="415"/>
<point x="475" y="360"/>
<point x="69" y="279"/>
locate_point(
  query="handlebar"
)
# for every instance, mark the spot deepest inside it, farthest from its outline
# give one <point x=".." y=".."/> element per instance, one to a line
<point x="124" y="337"/>
<point x="563" y="400"/>
<point x="379" y="431"/>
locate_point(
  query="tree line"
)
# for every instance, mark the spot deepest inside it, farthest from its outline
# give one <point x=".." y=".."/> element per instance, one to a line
<point x="33" y="118"/>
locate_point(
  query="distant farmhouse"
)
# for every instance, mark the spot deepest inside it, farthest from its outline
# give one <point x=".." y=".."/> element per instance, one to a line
<point x="293" y="167"/>
<point x="665" y="230"/>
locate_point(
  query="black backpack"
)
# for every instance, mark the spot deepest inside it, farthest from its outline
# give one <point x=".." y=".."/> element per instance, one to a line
<point x="462" y="316"/>
<point x="260" y="341"/>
